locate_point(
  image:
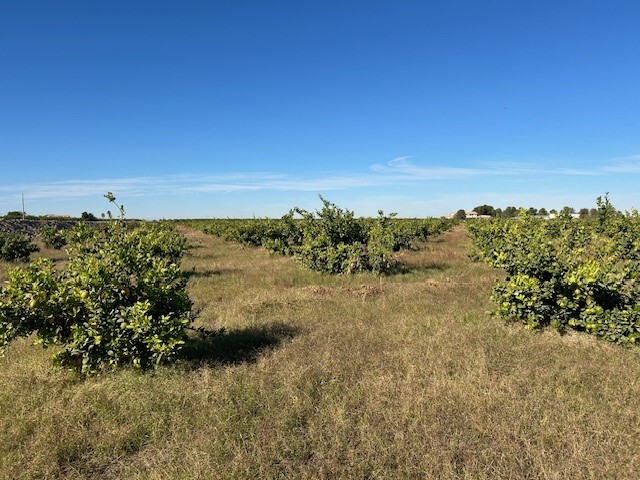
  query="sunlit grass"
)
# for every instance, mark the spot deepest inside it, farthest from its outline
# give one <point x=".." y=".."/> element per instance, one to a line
<point x="307" y="375"/>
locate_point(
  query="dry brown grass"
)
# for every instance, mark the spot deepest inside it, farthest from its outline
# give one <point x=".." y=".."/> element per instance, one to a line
<point x="335" y="377"/>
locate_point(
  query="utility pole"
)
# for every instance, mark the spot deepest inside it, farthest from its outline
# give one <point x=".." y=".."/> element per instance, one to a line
<point x="23" y="206"/>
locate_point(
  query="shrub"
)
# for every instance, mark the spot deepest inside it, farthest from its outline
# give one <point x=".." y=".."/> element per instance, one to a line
<point x="14" y="215"/>
<point x="121" y="300"/>
<point x="88" y="217"/>
<point x="331" y="240"/>
<point x="15" y="246"/>
<point x="568" y="273"/>
<point x="383" y="240"/>
<point x="52" y="237"/>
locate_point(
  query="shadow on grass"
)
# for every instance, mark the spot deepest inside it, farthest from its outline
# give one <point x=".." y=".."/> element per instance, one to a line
<point x="437" y="239"/>
<point x="232" y="347"/>
<point x="206" y="273"/>
<point x="203" y="273"/>
<point x="403" y="269"/>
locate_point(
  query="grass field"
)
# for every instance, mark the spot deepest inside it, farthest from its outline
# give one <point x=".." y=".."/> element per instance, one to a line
<point x="315" y="376"/>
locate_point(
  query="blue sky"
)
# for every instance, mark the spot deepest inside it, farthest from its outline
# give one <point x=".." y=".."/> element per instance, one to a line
<point x="248" y="108"/>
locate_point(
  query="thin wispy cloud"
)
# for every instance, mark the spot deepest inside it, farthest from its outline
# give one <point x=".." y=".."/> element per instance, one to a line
<point x="398" y="171"/>
<point x="629" y="164"/>
<point x="402" y="166"/>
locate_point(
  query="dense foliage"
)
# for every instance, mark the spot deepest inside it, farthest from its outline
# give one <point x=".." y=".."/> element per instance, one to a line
<point x="16" y="246"/>
<point x="568" y="273"/>
<point x="52" y="237"/>
<point x="120" y="300"/>
<point x="332" y="239"/>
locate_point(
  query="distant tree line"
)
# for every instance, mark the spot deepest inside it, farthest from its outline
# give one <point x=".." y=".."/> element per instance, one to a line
<point x="85" y="216"/>
<point x="512" y="211"/>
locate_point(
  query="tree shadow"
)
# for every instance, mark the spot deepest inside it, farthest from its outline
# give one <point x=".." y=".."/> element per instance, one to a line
<point x="440" y="266"/>
<point x="208" y="273"/>
<point x="438" y="239"/>
<point x="404" y="269"/>
<point x="398" y="269"/>
<point x="202" y="273"/>
<point x="233" y="347"/>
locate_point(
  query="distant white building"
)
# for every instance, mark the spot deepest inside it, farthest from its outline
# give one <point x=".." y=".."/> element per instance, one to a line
<point x="555" y="215"/>
<point x="469" y="214"/>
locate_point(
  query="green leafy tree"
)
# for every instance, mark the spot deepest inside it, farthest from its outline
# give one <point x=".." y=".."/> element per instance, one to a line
<point x="606" y="212"/>
<point x="460" y="215"/>
<point x="568" y="274"/>
<point x="567" y="211"/>
<point x="13" y="215"/>
<point x="510" y="212"/>
<point x="120" y="300"/>
<point x="16" y="246"/>
<point x="52" y="237"/>
<point x="334" y="241"/>
<point x="485" y="210"/>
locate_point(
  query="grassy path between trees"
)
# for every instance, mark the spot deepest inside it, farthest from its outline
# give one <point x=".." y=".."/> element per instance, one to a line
<point x="404" y="376"/>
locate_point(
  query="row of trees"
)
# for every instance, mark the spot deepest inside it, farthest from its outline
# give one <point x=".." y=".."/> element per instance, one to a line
<point x="332" y="239"/>
<point x="510" y="212"/>
<point x="86" y="216"/>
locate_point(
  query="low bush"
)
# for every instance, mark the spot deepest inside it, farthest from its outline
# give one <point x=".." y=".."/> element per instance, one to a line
<point x="330" y="240"/>
<point x="52" y="237"/>
<point x="121" y="299"/>
<point x="16" y="246"/>
<point x="568" y="273"/>
<point x="334" y="241"/>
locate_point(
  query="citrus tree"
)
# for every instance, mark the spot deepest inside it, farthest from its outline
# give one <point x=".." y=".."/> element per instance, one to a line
<point x="120" y="300"/>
